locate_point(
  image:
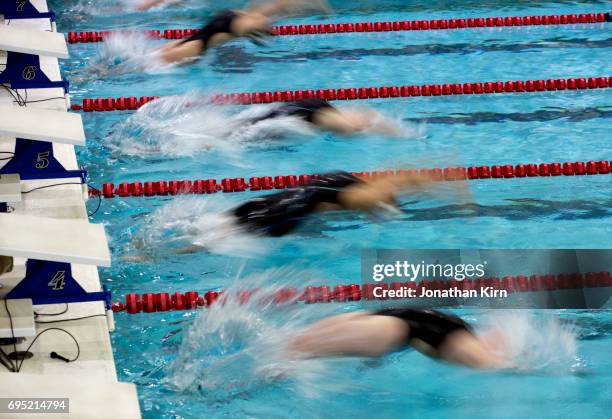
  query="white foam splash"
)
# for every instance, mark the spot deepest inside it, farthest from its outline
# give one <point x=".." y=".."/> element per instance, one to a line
<point x="102" y="7"/>
<point x="186" y="125"/>
<point x="126" y="52"/>
<point x="197" y="222"/>
<point x="534" y="343"/>
<point x="235" y="347"/>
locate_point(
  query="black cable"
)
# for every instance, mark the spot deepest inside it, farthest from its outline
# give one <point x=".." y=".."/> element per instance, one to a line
<point x="12" y="92"/>
<point x="5" y="361"/>
<point x="99" y="204"/>
<point x="60" y="184"/>
<point x="45" y="100"/>
<point x="53" y="314"/>
<point x="49" y="186"/>
<point x="7" y="158"/>
<point x="10" y="316"/>
<point x="70" y="320"/>
<point x="23" y="101"/>
<point x="45" y="331"/>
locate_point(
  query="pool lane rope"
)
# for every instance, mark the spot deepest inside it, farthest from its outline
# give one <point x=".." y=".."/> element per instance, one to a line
<point x="387" y="26"/>
<point x="239" y="184"/>
<point x="164" y="301"/>
<point x="356" y="93"/>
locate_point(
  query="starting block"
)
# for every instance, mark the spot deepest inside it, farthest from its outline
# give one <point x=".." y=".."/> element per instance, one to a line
<point x="23" y="9"/>
<point x="29" y="41"/>
<point x="52" y="283"/>
<point x="36" y="160"/>
<point x="86" y="396"/>
<point x="41" y="124"/>
<point x="58" y="240"/>
<point x="22" y="314"/>
<point x="10" y="188"/>
<point x="24" y="71"/>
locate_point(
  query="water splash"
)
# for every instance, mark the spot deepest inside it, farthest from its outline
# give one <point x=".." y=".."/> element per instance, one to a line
<point x="189" y="124"/>
<point x="127" y="52"/>
<point x="186" y="125"/>
<point x="193" y="223"/>
<point x="85" y="8"/>
<point x="534" y="343"/>
<point x="235" y="347"/>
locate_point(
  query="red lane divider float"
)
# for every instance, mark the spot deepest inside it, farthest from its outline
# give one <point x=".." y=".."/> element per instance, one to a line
<point x="353" y="93"/>
<point x="163" y="301"/>
<point x="238" y="184"/>
<point x="388" y="26"/>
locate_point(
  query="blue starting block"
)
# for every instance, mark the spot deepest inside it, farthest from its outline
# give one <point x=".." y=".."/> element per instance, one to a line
<point x="23" y="9"/>
<point x="52" y="283"/>
<point x="23" y="72"/>
<point x="35" y="160"/>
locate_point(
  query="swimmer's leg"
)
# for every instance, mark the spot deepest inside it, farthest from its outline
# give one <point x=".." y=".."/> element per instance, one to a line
<point x="362" y="335"/>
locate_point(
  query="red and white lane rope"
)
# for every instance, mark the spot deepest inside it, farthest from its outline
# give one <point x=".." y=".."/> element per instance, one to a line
<point x="387" y="26"/>
<point x="239" y="184"/>
<point x="355" y="93"/>
<point x="163" y="301"/>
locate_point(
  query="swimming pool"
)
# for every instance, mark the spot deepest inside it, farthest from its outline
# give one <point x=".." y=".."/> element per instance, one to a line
<point x="460" y="130"/>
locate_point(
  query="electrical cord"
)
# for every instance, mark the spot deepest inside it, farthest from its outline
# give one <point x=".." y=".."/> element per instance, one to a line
<point x="10" y="316"/>
<point x="53" y="354"/>
<point x="70" y="320"/>
<point x="5" y="361"/>
<point x="50" y="186"/>
<point x="17" y="365"/>
<point x="23" y="101"/>
<point x="8" y="153"/>
<point x="53" y="314"/>
<point x="64" y="311"/>
<point x="67" y="183"/>
<point x="99" y="204"/>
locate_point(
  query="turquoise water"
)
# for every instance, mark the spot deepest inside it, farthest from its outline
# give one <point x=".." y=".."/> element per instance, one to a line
<point x="493" y="129"/>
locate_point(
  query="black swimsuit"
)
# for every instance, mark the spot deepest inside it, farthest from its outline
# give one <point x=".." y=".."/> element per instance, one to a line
<point x="279" y="213"/>
<point x="304" y="109"/>
<point x="220" y="23"/>
<point x="430" y="326"/>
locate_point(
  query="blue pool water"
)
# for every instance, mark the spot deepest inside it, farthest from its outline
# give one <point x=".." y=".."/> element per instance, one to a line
<point x="492" y="129"/>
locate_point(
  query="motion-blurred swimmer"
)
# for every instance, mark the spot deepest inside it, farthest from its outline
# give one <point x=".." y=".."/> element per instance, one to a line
<point x="252" y="23"/>
<point x="372" y="334"/>
<point x="279" y="214"/>
<point x="320" y="113"/>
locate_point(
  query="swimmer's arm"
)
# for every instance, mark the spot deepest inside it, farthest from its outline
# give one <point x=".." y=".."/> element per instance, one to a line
<point x="366" y="196"/>
<point x="286" y="8"/>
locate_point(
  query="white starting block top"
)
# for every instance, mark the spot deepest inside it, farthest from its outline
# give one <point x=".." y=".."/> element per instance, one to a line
<point x="90" y="397"/>
<point x="30" y="41"/>
<point x="41" y="124"/>
<point x="10" y="188"/>
<point x="22" y="314"/>
<point x="73" y="241"/>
